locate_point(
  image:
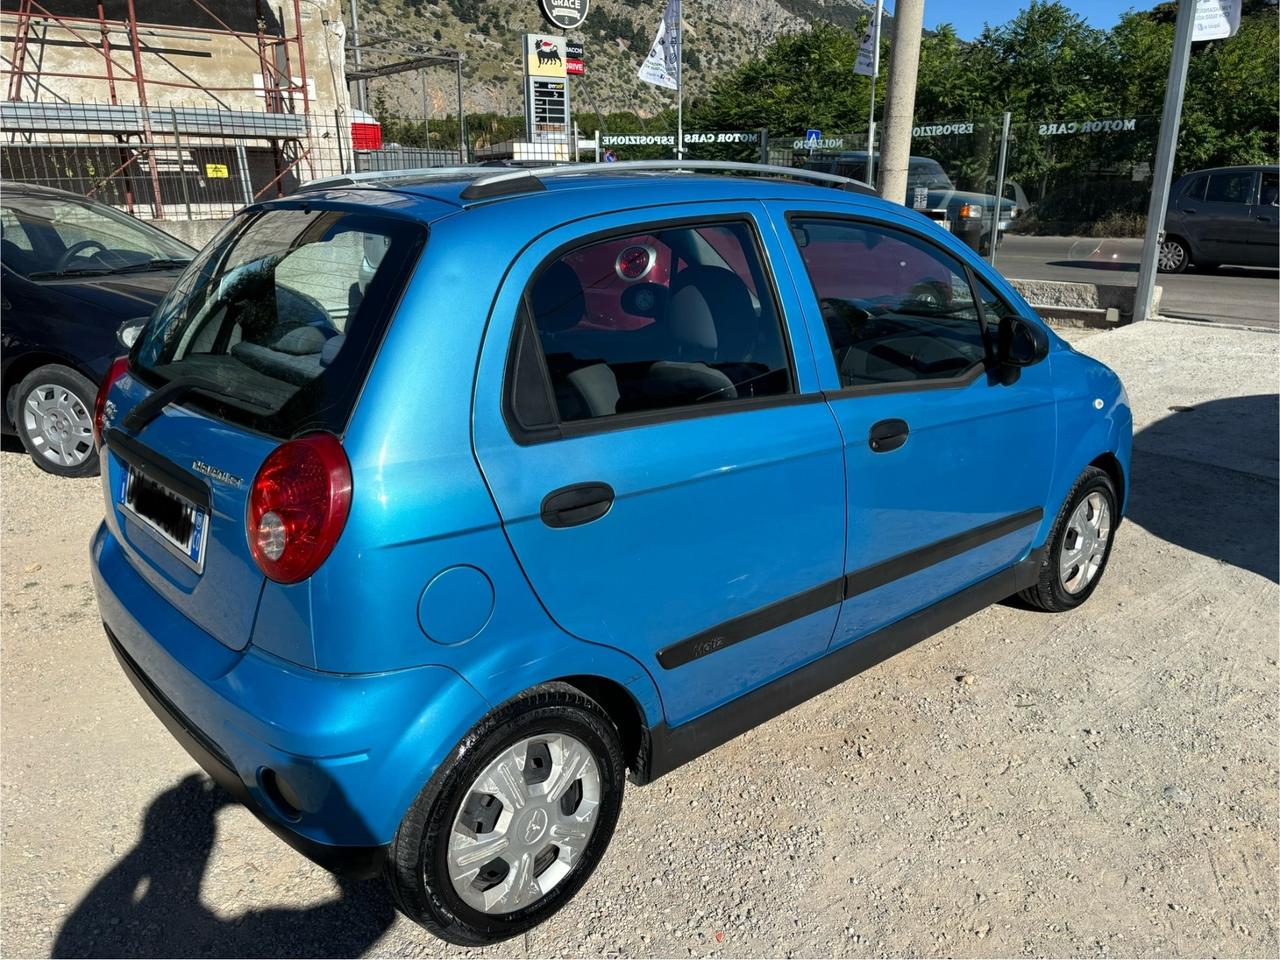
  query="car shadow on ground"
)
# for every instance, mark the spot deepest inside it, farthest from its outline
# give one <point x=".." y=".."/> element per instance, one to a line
<point x="148" y="904"/>
<point x="1205" y="479"/>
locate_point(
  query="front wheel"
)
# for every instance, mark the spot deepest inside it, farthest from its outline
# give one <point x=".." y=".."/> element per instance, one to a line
<point x="54" y="419"/>
<point x="514" y="823"/>
<point x="1079" y="546"/>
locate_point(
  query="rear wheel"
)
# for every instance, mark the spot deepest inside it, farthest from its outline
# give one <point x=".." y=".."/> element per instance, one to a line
<point x="54" y="419"/>
<point x="1174" y="255"/>
<point x="514" y="822"/>
<point x="1079" y="547"/>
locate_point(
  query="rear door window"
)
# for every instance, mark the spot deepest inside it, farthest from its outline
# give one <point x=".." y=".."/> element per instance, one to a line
<point x="1234" y="187"/>
<point x="673" y="317"/>
<point x="279" y="320"/>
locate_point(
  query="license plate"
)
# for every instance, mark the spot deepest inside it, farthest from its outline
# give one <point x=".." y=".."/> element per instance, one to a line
<point x="178" y="522"/>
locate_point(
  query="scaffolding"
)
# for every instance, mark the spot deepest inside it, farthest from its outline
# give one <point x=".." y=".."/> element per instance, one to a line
<point x="132" y="127"/>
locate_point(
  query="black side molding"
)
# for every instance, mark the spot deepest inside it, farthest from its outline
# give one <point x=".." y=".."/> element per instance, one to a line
<point x="670" y="747"/>
<point x="749" y="624"/>
<point x="905" y="564"/>
<point x="824" y="595"/>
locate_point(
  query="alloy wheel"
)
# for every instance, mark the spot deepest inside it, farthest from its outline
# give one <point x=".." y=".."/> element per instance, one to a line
<point x="1172" y="256"/>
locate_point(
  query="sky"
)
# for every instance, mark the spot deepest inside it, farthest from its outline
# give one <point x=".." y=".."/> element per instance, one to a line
<point x="968" y="16"/>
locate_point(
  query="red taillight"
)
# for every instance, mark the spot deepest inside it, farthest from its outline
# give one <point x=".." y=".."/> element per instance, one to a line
<point x="298" y="506"/>
<point x="119" y="367"/>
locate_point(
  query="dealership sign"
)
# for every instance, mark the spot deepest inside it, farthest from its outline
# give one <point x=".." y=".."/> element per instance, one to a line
<point x="669" y="139"/>
<point x="1122" y="125"/>
<point x="565" y="14"/>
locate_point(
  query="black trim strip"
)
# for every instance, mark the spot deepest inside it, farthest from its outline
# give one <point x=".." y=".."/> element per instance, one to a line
<point x="824" y="595"/>
<point x="670" y="747"/>
<point x="905" y="564"/>
<point x="789" y="608"/>
<point x="750" y="624"/>
<point x="155" y="467"/>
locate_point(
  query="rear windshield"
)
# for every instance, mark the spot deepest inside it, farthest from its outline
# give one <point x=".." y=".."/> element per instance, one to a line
<point x="279" y="317"/>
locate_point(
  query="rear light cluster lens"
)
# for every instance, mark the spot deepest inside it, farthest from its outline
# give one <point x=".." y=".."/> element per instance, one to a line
<point x="119" y="367"/>
<point x="298" y="506"/>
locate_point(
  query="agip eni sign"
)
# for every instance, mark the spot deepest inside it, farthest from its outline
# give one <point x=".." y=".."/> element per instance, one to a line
<point x="565" y="14"/>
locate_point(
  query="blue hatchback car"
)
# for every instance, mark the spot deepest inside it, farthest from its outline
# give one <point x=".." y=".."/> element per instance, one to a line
<point x="437" y="502"/>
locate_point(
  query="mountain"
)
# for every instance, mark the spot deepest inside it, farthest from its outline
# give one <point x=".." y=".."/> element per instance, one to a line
<point x="616" y="36"/>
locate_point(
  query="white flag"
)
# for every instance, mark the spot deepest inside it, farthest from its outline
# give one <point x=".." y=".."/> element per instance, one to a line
<point x="662" y="66"/>
<point x="868" y="62"/>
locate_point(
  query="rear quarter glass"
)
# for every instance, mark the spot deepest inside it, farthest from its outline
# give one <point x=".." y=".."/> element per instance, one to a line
<point x="284" y="312"/>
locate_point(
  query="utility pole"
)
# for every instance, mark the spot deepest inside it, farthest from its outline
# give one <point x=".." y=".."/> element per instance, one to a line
<point x="900" y="99"/>
<point x="355" y="48"/>
<point x="1165" y="149"/>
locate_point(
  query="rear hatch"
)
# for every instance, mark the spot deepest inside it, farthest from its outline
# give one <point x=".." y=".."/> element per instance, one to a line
<point x="268" y="335"/>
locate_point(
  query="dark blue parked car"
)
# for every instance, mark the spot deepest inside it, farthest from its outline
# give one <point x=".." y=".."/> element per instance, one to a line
<point x="74" y="272"/>
<point x="437" y="503"/>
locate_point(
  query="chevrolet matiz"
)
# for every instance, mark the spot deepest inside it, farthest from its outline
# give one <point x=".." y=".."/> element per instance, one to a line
<point x="438" y="503"/>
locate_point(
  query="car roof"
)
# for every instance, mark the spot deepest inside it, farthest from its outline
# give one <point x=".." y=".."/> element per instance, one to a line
<point x="20" y="188"/>
<point x="585" y="191"/>
<point x="1240" y="167"/>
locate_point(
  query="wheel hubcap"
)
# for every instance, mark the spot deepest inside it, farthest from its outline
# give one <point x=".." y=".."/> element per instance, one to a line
<point x="1171" y="255"/>
<point x="524" y="823"/>
<point x="1084" y="545"/>
<point x="59" y="425"/>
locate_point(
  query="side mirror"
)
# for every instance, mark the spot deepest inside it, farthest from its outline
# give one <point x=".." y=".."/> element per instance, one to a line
<point x="1020" y="343"/>
<point x="130" y="330"/>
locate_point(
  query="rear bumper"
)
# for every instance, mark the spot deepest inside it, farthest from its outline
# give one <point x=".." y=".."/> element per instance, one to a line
<point x="329" y="762"/>
<point x="352" y="861"/>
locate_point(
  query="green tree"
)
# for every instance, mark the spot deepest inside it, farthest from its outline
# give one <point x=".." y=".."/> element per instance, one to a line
<point x="802" y="80"/>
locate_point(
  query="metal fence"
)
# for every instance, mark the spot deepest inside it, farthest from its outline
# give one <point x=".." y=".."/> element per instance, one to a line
<point x="1062" y="176"/>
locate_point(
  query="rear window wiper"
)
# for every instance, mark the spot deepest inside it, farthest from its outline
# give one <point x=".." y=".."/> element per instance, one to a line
<point x="172" y="392"/>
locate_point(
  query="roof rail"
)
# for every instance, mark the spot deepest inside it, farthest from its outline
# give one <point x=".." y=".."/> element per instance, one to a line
<point x="525" y="181"/>
<point x="389" y="176"/>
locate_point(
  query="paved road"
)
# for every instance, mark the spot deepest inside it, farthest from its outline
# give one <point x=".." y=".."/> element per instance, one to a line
<point x="1229" y="295"/>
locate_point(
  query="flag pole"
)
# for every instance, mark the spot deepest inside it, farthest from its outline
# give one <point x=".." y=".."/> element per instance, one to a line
<point x="878" y="14"/>
<point x="680" y="81"/>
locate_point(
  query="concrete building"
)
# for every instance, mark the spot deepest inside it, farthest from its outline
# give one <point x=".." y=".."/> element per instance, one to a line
<point x="173" y="108"/>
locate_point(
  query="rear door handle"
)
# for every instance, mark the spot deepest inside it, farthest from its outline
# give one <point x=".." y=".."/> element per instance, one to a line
<point x="887" y="435"/>
<point x="576" y="504"/>
<point x="1263" y="219"/>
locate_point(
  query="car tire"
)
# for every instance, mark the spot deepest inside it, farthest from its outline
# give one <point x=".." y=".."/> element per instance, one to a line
<point x="53" y="415"/>
<point x="1174" y="255"/>
<point x="472" y="897"/>
<point x="1079" y="546"/>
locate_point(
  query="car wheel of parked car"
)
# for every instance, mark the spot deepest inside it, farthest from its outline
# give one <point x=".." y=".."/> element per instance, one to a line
<point x="514" y="822"/>
<point x="1174" y="256"/>
<point x="54" y="418"/>
<point x="1079" y="546"/>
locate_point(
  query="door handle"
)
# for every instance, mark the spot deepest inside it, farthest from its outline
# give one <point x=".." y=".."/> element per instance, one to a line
<point x="887" y="435"/>
<point x="1187" y="210"/>
<point x="576" y="504"/>
<point x="1263" y="219"/>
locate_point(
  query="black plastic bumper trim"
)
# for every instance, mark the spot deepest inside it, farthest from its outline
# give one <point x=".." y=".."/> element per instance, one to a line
<point x="357" y="862"/>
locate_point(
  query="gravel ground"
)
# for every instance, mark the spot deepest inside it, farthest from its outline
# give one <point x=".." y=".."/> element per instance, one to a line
<point x="1099" y="783"/>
